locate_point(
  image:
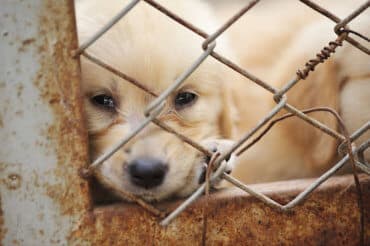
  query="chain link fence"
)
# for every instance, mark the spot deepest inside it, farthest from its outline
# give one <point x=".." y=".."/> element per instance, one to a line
<point x="353" y="154"/>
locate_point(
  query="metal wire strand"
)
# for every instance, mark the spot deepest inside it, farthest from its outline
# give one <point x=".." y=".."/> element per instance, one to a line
<point x="320" y="57"/>
<point x="126" y="139"/>
<point x="336" y="19"/>
<point x="303" y="195"/>
<point x="107" y="26"/>
<point x="180" y="80"/>
<point x="198" y="193"/>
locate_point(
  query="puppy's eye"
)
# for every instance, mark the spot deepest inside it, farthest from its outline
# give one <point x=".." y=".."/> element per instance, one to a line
<point x="184" y="99"/>
<point x="104" y="101"/>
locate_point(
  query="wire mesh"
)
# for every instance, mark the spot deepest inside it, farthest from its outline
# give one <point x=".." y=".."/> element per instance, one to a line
<point x="352" y="153"/>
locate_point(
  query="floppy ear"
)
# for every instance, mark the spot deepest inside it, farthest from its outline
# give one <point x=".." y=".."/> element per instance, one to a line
<point x="227" y="120"/>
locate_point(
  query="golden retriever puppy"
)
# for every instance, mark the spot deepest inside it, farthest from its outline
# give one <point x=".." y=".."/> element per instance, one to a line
<point x="215" y="106"/>
<point x="153" y="49"/>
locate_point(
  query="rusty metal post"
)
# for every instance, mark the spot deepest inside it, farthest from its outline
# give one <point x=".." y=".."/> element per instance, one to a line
<point x="41" y="126"/>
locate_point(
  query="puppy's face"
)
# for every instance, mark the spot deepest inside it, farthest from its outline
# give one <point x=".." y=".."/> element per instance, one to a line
<point x="155" y="164"/>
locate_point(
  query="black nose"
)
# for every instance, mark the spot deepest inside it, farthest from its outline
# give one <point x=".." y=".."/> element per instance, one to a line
<point x="147" y="172"/>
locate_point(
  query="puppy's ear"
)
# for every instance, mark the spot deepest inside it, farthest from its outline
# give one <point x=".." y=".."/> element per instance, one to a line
<point x="228" y="116"/>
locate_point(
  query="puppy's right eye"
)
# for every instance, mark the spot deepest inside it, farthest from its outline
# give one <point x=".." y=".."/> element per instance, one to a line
<point x="105" y="101"/>
<point x="185" y="99"/>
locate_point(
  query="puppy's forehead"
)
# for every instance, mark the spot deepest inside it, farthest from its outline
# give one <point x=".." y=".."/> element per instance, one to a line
<point x="155" y="62"/>
<point x="145" y="45"/>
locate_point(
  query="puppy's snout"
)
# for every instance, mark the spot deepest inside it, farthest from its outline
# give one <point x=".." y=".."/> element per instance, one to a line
<point x="147" y="172"/>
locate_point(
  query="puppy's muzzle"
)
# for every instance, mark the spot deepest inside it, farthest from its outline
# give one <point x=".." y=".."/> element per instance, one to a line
<point x="147" y="172"/>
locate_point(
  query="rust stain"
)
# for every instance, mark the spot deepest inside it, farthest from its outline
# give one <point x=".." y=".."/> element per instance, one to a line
<point x="19" y="113"/>
<point x="28" y="41"/>
<point x="15" y="242"/>
<point x="2" y="228"/>
<point x="13" y="181"/>
<point x="330" y="216"/>
<point x="25" y="43"/>
<point x="59" y="88"/>
<point x="20" y="89"/>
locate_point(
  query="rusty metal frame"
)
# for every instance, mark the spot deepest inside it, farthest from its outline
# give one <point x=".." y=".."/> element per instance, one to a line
<point x="76" y="223"/>
<point x="44" y="141"/>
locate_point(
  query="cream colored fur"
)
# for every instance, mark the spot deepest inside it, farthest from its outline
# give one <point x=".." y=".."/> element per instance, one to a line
<point x="154" y="50"/>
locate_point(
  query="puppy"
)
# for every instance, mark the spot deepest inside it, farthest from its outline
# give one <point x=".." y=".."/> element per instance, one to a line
<point x="153" y="49"/>
<point x="215" y="106"/>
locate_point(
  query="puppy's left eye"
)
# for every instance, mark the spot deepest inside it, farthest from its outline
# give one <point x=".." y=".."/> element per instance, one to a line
<point x="185" y="99"/>
<point x="104" y="101"/>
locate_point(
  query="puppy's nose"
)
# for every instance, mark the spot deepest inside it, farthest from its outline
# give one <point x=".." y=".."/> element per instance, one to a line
<point x="147" y="172"/>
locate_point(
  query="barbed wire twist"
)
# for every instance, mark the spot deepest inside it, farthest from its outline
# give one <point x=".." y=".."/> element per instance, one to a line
<point x="320" y="57"/>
